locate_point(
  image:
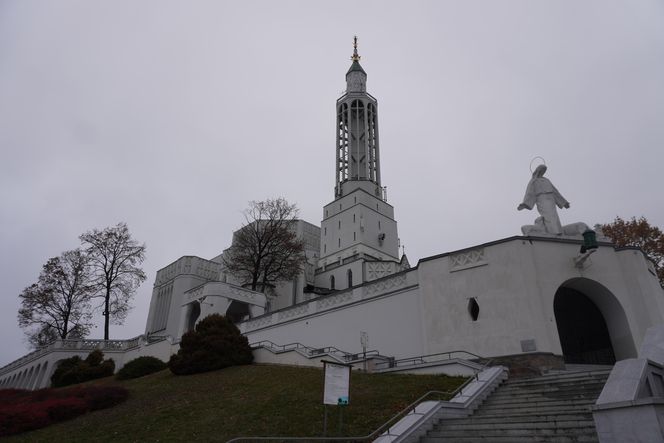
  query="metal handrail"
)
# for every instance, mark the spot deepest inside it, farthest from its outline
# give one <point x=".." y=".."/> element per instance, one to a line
<point x="385" y="427"/>
<point x="423" y="359"/>
<point x="315" y="351"/>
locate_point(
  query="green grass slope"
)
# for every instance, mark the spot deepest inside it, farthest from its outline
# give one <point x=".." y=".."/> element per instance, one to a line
<point x="255" y="400"/>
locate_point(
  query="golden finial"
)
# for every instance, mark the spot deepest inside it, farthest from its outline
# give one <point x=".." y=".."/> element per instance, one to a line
<point x="356" y="57"/>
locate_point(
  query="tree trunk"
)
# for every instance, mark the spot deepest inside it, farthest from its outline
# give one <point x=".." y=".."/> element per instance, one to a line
<point x="107" y="312"/>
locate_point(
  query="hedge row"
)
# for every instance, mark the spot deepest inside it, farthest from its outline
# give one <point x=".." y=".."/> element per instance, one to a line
<point x="139" y="367"/>
<point x="75" y="370"/>
<point x="22" y="410"/>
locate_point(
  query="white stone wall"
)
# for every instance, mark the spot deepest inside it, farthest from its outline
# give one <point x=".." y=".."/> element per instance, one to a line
<point x="387" y="309"/>
<point x="515" y="282"/>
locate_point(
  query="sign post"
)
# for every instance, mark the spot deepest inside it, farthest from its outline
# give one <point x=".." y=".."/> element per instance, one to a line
<point x="336" y="389"/>
<point x="364" y="341"/>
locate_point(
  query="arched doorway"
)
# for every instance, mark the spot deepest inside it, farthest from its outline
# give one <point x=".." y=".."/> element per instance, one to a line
<point x="192" y="315"/>
<point x="592" y="325"/>
<point x="237" y="311"/>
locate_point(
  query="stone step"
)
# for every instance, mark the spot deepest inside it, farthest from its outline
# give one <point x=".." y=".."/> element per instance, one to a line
<point x="540" y="410"/>
<point x="564" y="374"/>
<point x="490" y="434"/>
<point x="567" y="384"/>
<point x="552" y="390"/>
<point x="557" y="380"/>
<point x="507" y="401"/>
<point x="562" y="381"/>
<point x="529" y="396"/>
<point x="478" y="427"/>
<point x="523" y="418"/>
<point x="554" y="408"/>
<point x="513" y="439"/>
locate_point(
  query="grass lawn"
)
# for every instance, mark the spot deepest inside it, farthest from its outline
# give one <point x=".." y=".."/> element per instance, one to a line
<point x="255" y="400"/>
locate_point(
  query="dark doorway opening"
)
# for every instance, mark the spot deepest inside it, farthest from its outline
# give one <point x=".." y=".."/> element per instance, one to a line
<point x="237" y="311"/>
<point x="192" y="317"/>
<point x="584" y="336"/>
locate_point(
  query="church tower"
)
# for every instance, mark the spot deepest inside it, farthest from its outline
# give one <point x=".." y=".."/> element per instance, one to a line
<point x="358" y="231"/>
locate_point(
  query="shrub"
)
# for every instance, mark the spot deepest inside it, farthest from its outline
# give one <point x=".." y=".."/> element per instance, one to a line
<point x="99" y="397"/>
<point x="22" y="410"/>
<point x="74" y="370"/>
<point x="139" y="367"/>
<point x="215" y="343"/>
<point x="60" y="409"/>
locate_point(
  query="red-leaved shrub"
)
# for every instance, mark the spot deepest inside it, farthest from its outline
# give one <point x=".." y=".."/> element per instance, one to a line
<point x="22" y="410"/>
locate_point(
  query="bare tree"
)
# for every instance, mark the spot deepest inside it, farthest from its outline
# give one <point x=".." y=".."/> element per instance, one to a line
<point x="115" y="260"/>
<point x="58" y="305"/>
<point x="266" y="250"/>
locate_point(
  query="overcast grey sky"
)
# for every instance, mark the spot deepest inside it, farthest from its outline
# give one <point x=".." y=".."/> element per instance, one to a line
<point x="171" y="116"/>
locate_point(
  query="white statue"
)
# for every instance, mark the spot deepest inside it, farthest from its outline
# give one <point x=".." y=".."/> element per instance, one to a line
<point x="541" y="192"/>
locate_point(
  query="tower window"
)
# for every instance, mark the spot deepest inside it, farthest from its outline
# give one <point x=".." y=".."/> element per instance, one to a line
<point x="325" y="230"/>
<point x="350" y="278"/>
<point x="355" y="199"/>
<point x="378" y="224"/>
<point x="326" y="213"/>
<point x="339" y="241"/>
<point x="331" y="281"/>
<point x="353" y="218"/>
<point x="340" y="206"/>
<point x="354" y="237"/>
<point x="339" y="224"/>
<point x="324" y="248"/>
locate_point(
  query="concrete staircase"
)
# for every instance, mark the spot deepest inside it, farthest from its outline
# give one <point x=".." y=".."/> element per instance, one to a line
<point x="550" y="408"/>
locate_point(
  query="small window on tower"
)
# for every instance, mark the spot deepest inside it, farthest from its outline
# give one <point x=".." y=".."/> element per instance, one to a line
<point x="353" y="218"/>
<point x="339" y="224"/>
<point x="340" y="206"/>
<point x="350" y="278"/>
<point x="325" y="231"/>
<point x="331" y="281"/>
<point x="354" y="237"/>
<point x="378" y="224"/>
<point x="339" y="242"/>
<point x="355" y="199"/>
<point x="324" y="249"/>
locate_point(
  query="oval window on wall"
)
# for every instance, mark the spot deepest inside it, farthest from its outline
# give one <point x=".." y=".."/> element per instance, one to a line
<point x="473" y="308"/>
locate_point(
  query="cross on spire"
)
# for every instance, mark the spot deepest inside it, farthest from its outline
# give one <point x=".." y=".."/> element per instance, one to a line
<point x="356" y="57"/>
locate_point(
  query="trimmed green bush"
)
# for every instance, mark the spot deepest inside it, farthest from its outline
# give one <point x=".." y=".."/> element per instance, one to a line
<point x="74" y="370"/>
<point x="139" y="367"/>
<point x="215" y="343"/>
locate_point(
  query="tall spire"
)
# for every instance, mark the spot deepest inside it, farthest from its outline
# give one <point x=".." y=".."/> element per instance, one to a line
<point x="357" y="135"/>
<point x="356" y="78"/>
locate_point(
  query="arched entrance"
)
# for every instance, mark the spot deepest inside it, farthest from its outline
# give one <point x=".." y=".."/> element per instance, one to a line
<point x="237" y="311"/>
<point x="592" y="325"/>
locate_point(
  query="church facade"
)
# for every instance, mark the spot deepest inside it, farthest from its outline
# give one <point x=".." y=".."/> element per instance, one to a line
<point x="524" y="294"/>
<point x="533" y="294"/>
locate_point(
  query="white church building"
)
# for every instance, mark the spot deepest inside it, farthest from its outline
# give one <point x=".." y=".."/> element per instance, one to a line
<point x="533" y="298"/>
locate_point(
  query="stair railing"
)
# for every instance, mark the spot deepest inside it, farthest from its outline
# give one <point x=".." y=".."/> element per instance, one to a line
<point x="429" y="358"/>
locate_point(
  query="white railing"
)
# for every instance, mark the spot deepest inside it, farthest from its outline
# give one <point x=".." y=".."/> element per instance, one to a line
<point x="75" y="345"/>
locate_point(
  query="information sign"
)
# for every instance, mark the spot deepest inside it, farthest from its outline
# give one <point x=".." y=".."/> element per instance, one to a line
<point x="337" y="383"/>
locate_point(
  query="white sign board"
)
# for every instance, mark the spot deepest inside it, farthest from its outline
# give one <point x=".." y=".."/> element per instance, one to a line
<point x="337" y="383"/>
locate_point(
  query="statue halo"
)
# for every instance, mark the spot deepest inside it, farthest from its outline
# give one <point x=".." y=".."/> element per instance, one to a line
<point x="535" y="158"/>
